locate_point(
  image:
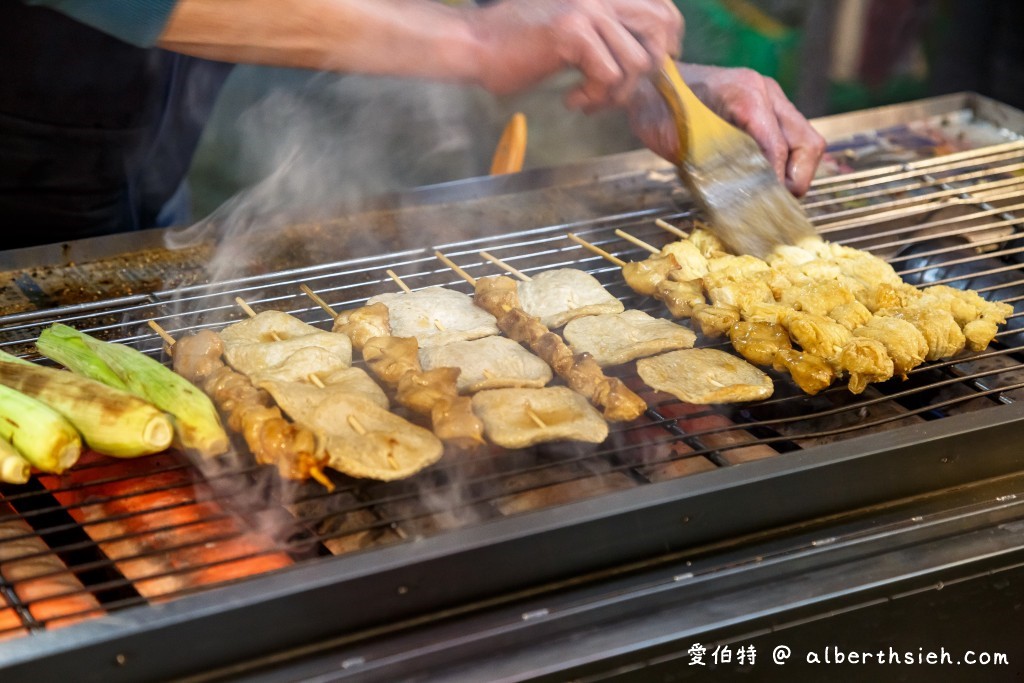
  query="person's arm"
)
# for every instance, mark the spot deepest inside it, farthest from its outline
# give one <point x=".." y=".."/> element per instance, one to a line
<point x="751" y="102"/>
<point x="505" y="47"/>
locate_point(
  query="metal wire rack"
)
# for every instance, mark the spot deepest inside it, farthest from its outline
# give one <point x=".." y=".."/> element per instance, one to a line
<point x="114" y="534"/>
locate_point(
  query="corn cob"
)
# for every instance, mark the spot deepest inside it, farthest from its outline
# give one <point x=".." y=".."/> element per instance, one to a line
<point x="14" y="468"/>
<point x="196" y="423"/>
<point x="38" y="432"/>
<point x="110" y="421"/>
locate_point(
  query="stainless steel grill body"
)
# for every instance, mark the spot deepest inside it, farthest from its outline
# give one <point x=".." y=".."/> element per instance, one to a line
<point x="679" y="480"/>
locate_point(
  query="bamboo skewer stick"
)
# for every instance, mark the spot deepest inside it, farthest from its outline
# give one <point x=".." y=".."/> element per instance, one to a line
<point x="315" y="472"/>
<point x="637" y="241"/>
<point x="317" y="300"/>
<point x="668" y="227"/>
<point x="454" y="266"/>
<point x="162" y="332"/>
<point x="535" y="417"/>
<point x="356" y="425"/>
<point x="501" y="264"/>
<point x="398" y="281"/>
<point x="596" y="249"/>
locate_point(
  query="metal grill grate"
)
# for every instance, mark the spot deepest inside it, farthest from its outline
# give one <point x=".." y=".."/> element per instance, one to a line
<point x="113" y="534"/>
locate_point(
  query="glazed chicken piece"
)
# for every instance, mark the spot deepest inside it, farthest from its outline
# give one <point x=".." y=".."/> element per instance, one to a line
<point x="389" y="358"/>
<point x="362" y="324"/>
<point x="817" y="297"/>
<point x="978" y="318"/>
<point x="680" y="297"/>
<point x="818" y="335"/>
<point x="691" y="263"/>
<point x="759" y="342"/>
<point x="905" y="344"/>
<point x="851" y="315"/>
<point x="644" y="276"/>
<point x="940" y="329"/>
<point x="811" y="373"/>
<point x="715" y="321"/>
<point x="865" y="361"/>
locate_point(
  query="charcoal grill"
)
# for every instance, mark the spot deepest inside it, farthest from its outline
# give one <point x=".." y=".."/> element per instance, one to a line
<point x="690" y="523"/>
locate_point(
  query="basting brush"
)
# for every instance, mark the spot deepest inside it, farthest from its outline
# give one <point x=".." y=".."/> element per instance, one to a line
<point x="728" y="175"/>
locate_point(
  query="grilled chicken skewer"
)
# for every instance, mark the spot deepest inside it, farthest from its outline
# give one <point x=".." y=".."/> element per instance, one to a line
<point x="395" y="361"/>
<point x="498" y="296"/>
<point x="271" y="438"/>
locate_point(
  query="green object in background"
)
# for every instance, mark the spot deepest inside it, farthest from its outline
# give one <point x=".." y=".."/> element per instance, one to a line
<point x="737" y="33"/>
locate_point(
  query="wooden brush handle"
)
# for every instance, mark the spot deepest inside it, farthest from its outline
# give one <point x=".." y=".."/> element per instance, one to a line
<point x="700" y="129"/>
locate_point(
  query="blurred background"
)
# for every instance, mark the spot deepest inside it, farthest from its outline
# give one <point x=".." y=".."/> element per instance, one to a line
<point x="358" y="136"/>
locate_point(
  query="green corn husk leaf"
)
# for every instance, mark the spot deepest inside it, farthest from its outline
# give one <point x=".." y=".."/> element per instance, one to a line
<point x="196" y="423"/>
<point x="62" y="344"/>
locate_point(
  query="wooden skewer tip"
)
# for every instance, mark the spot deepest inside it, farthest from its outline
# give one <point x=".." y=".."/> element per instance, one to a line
<point x="637" y="241"/>
<point x="155" y="326"/>
<point x="398" y="281"/>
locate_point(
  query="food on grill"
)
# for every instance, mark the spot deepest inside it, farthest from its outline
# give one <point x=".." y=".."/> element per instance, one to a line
<point x="758" y="342"/>
<point x="498" y="296"/>
<point x="705" y="376"/>
<point x="715" y="321"/>
<point x="517" y="418"/>
<point x="310" y="364"/>
<point x="617" y="338"/>
<point x="865" y="361"/>
<point x="811" y="373"/>
<point x="819" y="297"/>
<point x="833" y="301"/>
<point x="395" y="361"/>
<point x="38" y="432"/>
<point x="563" y="294"/>
<point x="435" y="316"/>
<point x="851" y="315"/>
<point x="644" y="276"/>
<point x="248" y="410"/>
<point x="941" y="332"/>
<point x="110" y="421"/>
<point x="348" y="381"/>
<point x="680" y="296"/>
<point x="362" y="324"/>
<point x="14" y="468"/>
<point x="488" y="363"/>
<point x="196" y="424"/>
<point x="978" y="317"/>
<point x="817" y="334"/>
<point x="361" y="438"/>
<point x="907" y="347"/>
<point x="270" y="338"/>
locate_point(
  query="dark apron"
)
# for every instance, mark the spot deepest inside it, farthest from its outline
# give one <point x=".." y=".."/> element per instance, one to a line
<point x="96" y="135"/>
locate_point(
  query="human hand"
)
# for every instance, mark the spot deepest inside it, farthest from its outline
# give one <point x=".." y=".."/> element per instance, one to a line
<point x="614" y="44"/>
<point x="748" y="100"/>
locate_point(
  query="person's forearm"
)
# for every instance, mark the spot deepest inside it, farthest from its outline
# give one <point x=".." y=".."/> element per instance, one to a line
<point x="418" y="38"/>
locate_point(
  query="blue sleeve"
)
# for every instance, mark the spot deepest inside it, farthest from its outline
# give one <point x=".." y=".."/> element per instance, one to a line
<point x="139" y="22"/>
